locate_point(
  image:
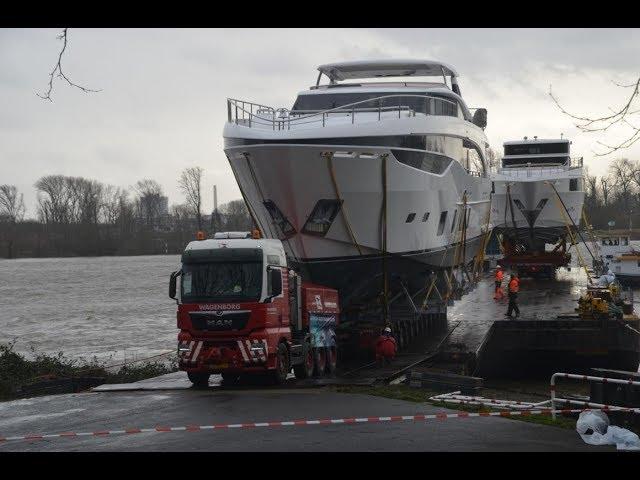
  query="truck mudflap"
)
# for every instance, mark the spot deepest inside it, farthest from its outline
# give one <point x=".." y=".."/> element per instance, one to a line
<point x="212" y="355"/>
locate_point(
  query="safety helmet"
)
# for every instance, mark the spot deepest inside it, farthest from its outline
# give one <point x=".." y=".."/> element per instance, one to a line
<point x="387" y="330"/>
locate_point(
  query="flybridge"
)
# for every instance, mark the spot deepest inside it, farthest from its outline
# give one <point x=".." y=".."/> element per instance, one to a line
<point x="388" y="68"/>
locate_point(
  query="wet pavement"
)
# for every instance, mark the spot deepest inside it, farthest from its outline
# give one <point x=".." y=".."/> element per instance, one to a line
<point x="538" y="299"/>
<point x="89" y="412"/>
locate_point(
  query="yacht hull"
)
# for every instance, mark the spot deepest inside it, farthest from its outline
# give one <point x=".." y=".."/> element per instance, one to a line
<point x="378" y="194"/>
<point x="531" y="209"/>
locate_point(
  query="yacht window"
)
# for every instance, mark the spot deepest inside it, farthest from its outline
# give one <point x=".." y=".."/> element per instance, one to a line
<point x="573" y="184"/>
<point x="473" y="160"/>
<point x="425" y="217"/>
<point x="410" y="217"/>
<point x="453" y="222"/>
<point x="493" y="187"/>
<point x="322" y="216"/>
<point x="285" y="227"/>
<point x="426" y="161"/>
<point x="443" y="220"/>
<point x="416" y="101"/>
<point x="537" y="149"/>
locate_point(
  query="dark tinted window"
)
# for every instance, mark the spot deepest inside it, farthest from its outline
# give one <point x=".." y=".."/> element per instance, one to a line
<point x="285" y="227"/>
<point x="573" y="184"/>
<point x="410" y="217"/>
<point x="443" y="220"/>
<point x="535" y="149"/>
<point x="535" y="161"/>
<point x="427" y="161"/>
<point x="322" y="216"/>
<point x="327" y="101"/>
<point x="425" y="217"/>
<point x="221" y="281"/>
<point x="401" y="141"/>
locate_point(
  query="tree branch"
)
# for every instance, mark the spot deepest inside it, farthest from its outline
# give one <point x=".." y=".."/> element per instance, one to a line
<point x="602" y="124"/>
<point x="61" y="74"/>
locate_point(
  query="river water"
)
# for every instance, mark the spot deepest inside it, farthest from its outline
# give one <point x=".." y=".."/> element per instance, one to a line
<point x="114" y="307"/>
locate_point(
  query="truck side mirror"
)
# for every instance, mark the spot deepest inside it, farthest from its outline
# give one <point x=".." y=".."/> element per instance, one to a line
<point x="275" y="278"/>
<point x="172" y="284"/>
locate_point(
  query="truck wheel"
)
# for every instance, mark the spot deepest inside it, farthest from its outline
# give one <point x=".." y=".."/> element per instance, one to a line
<point x="279" y="375"/>
<point x="319" y="361"/>
<point x="230" y="378"/>
<point x="198" y="379"/>
<point x="305" y="369"/>
<point x="332" y="360"/>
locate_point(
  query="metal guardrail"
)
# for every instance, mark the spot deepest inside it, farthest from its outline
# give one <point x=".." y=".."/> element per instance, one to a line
<point x="589" y="378"/>
<point x="251" y="114"/>
<point x="528" y="170"/>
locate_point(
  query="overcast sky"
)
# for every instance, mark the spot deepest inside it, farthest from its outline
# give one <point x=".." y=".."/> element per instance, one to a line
<point x="162" y="105"/>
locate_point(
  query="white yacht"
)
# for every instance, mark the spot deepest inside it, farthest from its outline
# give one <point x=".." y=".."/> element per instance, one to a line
<point x="362" y="175"/>
<point x="537" y="191"/>
<point x="620" y="255"/>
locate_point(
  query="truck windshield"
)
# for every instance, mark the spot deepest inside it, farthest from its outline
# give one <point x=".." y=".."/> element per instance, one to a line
<point x="221" y="281"/>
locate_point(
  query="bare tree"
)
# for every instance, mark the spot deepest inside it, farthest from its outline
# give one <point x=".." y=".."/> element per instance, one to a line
<point x="236" y="216"/>
<point x="149" y="201"/>
<point x="620" y="116"/>
<point x="605" y="183"/>
<point x="57" y="71"/>
<point x="11" y="205"/>
<point x="191" y="185"/>
<point x="53" y="199"/>
<point x="623" y="173"/>
<point x="12" y="212"/>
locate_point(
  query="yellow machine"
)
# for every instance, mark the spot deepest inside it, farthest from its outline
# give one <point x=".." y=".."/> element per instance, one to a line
<point x="601" y="302"/>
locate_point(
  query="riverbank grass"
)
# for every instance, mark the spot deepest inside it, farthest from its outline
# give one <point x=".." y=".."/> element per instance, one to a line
<point x="45" y="374"/>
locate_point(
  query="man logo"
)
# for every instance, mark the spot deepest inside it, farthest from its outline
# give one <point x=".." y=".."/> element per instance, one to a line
<point x="219" y="323"/>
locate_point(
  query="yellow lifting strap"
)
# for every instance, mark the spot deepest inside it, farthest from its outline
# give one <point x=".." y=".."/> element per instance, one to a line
<point x="345" y="216"/>
<point x="567" y="222"/>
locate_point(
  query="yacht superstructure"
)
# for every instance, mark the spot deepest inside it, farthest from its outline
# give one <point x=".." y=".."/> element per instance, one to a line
<point x="371" y="185"/>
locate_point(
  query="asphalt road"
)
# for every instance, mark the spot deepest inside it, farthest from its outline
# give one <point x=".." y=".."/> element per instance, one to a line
<point x="115" y="410"/>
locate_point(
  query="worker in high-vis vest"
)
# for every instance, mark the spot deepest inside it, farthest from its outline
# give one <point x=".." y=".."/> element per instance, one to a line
<point x="498" y="295"/>
<point x="514" y="287"/>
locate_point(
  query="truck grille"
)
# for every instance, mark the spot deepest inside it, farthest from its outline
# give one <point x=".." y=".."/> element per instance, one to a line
<point x="219" y="321"/>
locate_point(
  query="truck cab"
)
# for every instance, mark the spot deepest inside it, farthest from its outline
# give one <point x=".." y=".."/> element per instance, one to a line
<point x="242" y="311"/>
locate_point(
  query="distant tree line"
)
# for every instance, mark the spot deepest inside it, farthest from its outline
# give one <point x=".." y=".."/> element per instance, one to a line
<point x="77" y="216"/>
<point x="615" y="196"/>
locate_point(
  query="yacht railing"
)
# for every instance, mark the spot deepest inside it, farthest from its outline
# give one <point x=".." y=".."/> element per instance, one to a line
<point x="531" y="170"/>
<point x="252" y="114"/>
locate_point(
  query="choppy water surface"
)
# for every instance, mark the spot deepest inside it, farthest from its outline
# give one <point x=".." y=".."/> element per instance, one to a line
<point x="103" y="306"/>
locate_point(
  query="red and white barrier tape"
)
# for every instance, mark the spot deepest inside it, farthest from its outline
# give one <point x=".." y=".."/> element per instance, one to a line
<point x="334" y="421"/>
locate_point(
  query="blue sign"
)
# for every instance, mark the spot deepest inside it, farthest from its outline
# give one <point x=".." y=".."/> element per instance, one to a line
<point x="322" y="328"/>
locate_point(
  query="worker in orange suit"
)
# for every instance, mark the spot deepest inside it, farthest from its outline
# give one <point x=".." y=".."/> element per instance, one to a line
<point x="514" y="288"/>
<point x="498" y="278"/>
<point x="385" y="347"/>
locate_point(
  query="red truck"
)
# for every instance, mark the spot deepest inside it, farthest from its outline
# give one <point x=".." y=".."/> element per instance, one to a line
<point x="243" y="311"/>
